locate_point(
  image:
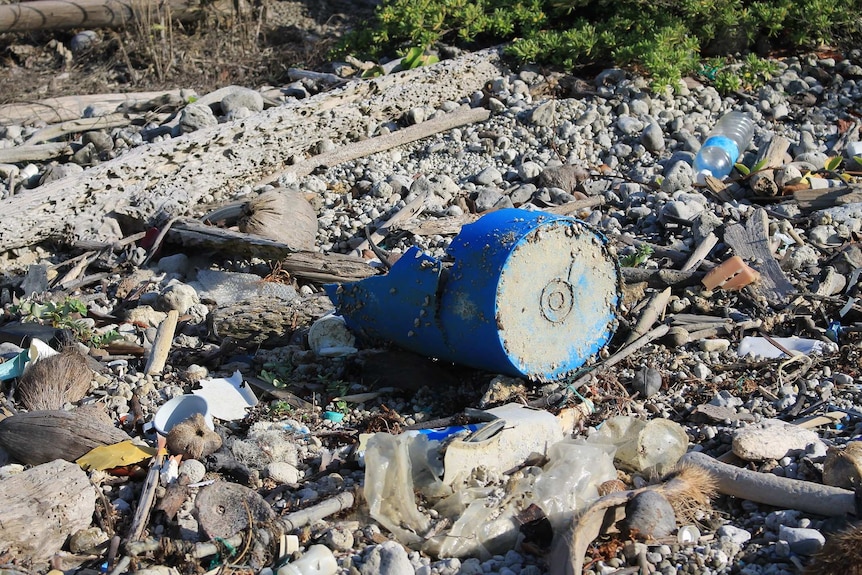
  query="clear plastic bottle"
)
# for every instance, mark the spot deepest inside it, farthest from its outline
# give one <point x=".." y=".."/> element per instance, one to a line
<point x="725" y="143"/>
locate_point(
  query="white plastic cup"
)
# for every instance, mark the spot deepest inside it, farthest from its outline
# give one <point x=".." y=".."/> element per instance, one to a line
<point x="329" y="337"/>
<point x="180" y="409"/>
<point x="318" y="560"/>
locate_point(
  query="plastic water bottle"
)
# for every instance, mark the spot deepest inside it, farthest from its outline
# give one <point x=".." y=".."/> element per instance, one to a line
<point x="725" y="143"/>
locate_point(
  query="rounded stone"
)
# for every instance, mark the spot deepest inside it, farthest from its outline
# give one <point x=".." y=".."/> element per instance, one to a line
<point x="805" y="541"/>
<point x="338" y="538"/>
<point x="647" y="382"/>
<point x="178" y="296"/>
<point x="714" y="345"/>
<point x="650" y="516"/>
<point x="196" y="117"/>
<point x="100" y="140"/>
<point x="83" y="40"/>
<point x="282" y="472"/>
<point x="676" y="336"/>
<point x="388" y="558"/>
<point x="772" y="440"/>
<point x="175" y="264"/>
<point x="86" y="539"/>
<point x="193" y="469"/>
<point x="242" y="98"/>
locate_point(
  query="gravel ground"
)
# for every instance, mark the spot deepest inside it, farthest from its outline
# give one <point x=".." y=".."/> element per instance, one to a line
<point x="550" y="141"/>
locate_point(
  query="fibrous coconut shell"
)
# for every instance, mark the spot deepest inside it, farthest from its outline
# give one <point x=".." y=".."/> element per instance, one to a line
<point x="281" y="215"/>
<point x="843" y="467"/>
<point x="54" y="381"/>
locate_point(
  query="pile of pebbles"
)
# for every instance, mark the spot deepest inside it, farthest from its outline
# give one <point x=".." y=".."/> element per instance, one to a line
<point x="543" y="146"/>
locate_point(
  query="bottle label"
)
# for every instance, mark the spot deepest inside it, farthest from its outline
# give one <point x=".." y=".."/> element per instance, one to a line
<point x="725" y="144"/>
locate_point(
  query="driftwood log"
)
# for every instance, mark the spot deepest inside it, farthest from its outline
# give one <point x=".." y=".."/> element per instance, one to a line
<point x="64" y="14"/>
<point x="173" y="176"/>
<point x="41" y="508"/>
<point x="41" y="436"/>
<point x="751" y="243"/>
<point x="267" y="322"/>
<point x="71" y="108"/>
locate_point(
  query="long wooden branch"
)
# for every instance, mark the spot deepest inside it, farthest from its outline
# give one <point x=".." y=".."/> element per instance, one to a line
<point x="66" y="108"/>
<point x="79" y="125"/>
<point x="34" y="153"/>
<point x="174" y="175"/>
<point x="63" y="14"/>
<point x="460" y="117"/>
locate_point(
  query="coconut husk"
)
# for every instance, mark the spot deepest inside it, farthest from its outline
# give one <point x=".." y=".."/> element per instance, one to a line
<point x="843" y="467"/>
<point x="281" y="215"/>
<point x="842" y="555"/>
<point x="54" y="381"/>
<point x="193" y="439"/>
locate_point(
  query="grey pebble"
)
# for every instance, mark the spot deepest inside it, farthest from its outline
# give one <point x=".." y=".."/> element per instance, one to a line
<point x="196" y="117"/>
<point x="544" y="114"/>
<point x="653" y="138"/>
<point x="650" y="515"/>
<point x="489" y="176"/>
<point x="178" y="296"/>
<point x="193" y="469"/>
<point x="647" y="382"/>
<point x="242" y="98"/>
<point x="101" y="141"/>
<point x="387" y="558"/>
<point x="338" y="538"/>
<point x="805" y="541"/>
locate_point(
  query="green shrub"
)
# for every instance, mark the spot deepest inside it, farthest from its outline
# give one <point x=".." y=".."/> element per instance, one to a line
<point x="662" y="38"/>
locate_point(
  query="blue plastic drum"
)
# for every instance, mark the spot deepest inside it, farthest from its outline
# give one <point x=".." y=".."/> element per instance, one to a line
<point x="528" y="294"/>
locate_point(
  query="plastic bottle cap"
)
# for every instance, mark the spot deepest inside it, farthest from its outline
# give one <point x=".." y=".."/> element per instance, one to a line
<point x="700" y="177"/>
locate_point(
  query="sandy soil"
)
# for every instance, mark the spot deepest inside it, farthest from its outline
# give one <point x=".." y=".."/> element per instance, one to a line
<point x="253" y="49"/>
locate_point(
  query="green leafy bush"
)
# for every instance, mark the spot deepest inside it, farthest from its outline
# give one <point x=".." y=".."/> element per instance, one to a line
<point x="663" y="38"/>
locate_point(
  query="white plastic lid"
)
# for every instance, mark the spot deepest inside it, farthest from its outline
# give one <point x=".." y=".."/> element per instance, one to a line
<point x="700" y="177"/>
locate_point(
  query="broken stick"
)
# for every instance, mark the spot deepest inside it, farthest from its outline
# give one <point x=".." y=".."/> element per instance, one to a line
<point x="751" y="243"/>
<point x="79" y="125"/>
<point x="460" y="117"/>
<point x="162" y="344"/>
<point x="411" y="210"/>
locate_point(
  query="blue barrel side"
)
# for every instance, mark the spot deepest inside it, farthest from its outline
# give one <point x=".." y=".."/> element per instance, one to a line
<point x="399" y="307"/>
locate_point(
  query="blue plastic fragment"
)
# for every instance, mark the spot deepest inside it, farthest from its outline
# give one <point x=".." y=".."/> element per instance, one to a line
<point x="527" y="294"/>
<point x="14" y="367"/>
<point x="441" y="433"/>
<point x="833" y="332"/>
<point x="333" y="416"/>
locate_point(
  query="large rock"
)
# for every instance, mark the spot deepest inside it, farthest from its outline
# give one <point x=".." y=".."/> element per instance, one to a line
<point x="388" y="558"/>
<point x="772" y="440"/>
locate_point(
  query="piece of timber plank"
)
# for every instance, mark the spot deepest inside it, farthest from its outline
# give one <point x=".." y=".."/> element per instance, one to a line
<point x="751" y="243"/>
